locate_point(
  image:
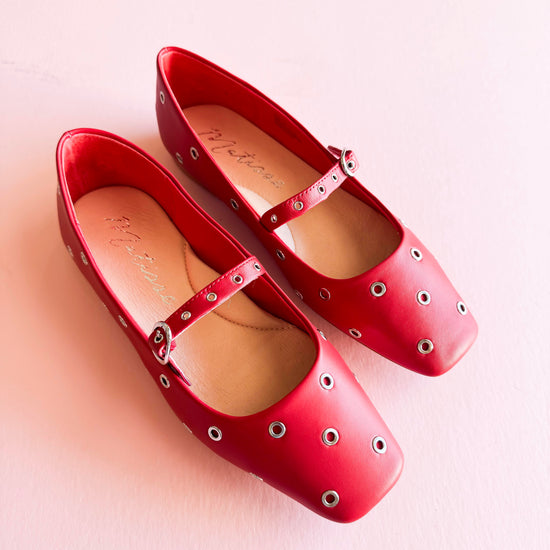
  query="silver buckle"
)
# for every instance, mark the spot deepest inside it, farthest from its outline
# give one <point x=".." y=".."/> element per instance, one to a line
<point x="346" y="168"/>
<point x="168" y="336"/>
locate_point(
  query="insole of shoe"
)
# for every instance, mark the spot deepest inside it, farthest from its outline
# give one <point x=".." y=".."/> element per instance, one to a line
<point x="239" y="358"/>
<point x="341" y="237"/>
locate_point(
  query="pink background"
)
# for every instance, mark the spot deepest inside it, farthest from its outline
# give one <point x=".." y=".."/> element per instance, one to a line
<point x="448" y="106"/>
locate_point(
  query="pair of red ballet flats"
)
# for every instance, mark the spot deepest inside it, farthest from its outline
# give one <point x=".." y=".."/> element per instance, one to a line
<point x="237" y="361"/>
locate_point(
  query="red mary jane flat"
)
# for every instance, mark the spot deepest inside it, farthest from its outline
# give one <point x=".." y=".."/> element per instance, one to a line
<point x="346" y="255"/>
<point x="249" y="376"/>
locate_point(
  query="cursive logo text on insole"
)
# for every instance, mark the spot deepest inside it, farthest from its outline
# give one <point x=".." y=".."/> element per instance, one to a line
<point x="227" y="147"/>
<point x="141" y="259"/>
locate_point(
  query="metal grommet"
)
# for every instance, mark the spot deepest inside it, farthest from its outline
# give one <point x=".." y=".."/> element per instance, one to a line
<point x="324" y="294"/>
<point x="330" y="499"/>
<point x="322" y="334"/>
<point x="234" y="204"/>
<point x="299" y="294"/>
<point x="122" y="321"/>
<point x="351" y="165"/>
<point x="416" y="254"/>
<point x="298" y="205"/>
<point x="322" y="190"/>
<point x="277" y="429"/>
<point x="164" y="381"/>
<point x="257" y="266"/>
<point x="280" y="254"/>
<point x="214" y="433"/>
<point x="162" y="98"/>
<point x="186" y="315"/>
<point x="354" y="332"/>
<point x="70" y="251"/>
<point x="255" y="476"/>
<point x="159" y="337"/>
<point x="179" y="158"/>
<point x="462" y="309"/>
<point x="378" y="289"/>
<point x="327" y="381"/>
<point x="379" y="445"/>
<point x="211" y="296"/>
<point x="83" y="258"/>
<point x="425" y="346"/>
<point x="237" y="279"/>
<point x="330" y="437"/>
<point x="334" y="178"/>
<point x="194" y="153"/>
<point x="273" y="218"/>
<point x="423" y="297"/>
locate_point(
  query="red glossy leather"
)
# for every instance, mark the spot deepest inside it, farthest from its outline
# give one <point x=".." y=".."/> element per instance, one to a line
<point x="394" y="324"/>
<point x="299" y="464"/>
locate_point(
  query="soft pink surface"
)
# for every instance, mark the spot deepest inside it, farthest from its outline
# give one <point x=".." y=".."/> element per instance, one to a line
<point x="447" y="105"/>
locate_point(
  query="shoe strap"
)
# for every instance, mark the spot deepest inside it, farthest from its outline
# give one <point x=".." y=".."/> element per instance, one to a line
<point x="318" y="192"/>
<point x="162" y="339"/>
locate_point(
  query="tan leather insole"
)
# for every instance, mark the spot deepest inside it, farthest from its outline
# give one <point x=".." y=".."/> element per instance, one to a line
<point x="340" y="237"/>
<point x="238" y="358"/>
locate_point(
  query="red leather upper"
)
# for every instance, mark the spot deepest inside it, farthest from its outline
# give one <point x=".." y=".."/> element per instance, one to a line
<point x="396" y="324"/>
<point x="299" y="463"/>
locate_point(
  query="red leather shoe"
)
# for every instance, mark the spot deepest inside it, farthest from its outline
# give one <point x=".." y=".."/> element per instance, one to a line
<point x="346" y="255"/>
<point x="250" y="376"/>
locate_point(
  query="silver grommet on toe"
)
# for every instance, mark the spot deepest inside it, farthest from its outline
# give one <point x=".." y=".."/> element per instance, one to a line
<point x="277" y="429"/>
<point x="379" y="445"/>
<point x="211" y="296"/>
<point x="425" y="346"/>
<point x="330" y="437"/>
<point x="186" y="315"/>
<point x="237" y="279"/>
<point x="298" y="205"/>
<point x="462" y="309"/>
<point x="330" y="499"/>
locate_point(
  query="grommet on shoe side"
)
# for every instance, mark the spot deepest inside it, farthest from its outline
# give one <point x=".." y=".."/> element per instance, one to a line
<point x="122" y="321"/>
<point x="161" y="97"/>
<point x="378" y="289"/>
<point x="194" y="153"/>
<point x="327" y="381"/>
<point x="423" y="297"/>
<point x="461" y="307"/>
<point x="70" y="251"/>
<point x="324" y="294"/>
<point x="234" y="204"/>
<point x="164" y="381"/>
<point x="179" y="158"/>
<point x="354" y="332"/>
<point x="330" y="499"/>
<point x="237" y="279"/>
<point x="214" y="433"/>
<point x="211" y="297"/>
<point x="416" y="254"/>
<point x="280" y="254"/>
<point x="83" y="258"/>
<point x="277" y="429"/>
